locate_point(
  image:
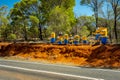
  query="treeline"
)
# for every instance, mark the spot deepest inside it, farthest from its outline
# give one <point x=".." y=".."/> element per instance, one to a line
<point x="36" y="19"/>
<point x="109" y="10"/>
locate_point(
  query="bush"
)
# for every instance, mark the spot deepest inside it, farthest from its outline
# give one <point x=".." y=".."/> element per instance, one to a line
<point x="12" y="37"/>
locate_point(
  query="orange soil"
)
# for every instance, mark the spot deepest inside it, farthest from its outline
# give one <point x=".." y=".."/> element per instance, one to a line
<point x="81" y="55"/>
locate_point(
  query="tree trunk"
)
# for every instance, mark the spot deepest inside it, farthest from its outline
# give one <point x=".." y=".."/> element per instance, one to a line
<point x="115" y="29"/>
<point x="96" y="20"/>
<point x="40" y="30"/>
<point x="96" y="17"/>
<point x="110" y="35"/>
<point x="109" y="29"/>
<point x="25" y="33"/>
<point x="96" y="13"/>
<point x="76" y="30"/>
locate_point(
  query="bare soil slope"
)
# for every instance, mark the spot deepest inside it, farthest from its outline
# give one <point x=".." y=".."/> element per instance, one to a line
<point x="82" y="55"/>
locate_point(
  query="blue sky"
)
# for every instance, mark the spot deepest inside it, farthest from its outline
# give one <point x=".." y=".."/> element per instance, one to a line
<point x="78" y="9"/>
<point x="81" y="10"/>
<point x="8" y="3"/>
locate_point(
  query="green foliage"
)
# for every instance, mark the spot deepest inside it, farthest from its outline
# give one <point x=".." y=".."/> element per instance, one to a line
<point x="4" y="29"/>
<point x="88" y="21"/>
<point x="59" y="15"/>
<point x="4" y="32"/>
<point x="84" y="31"/>
<point x="37" y="18"/>
<point x="3" y="20"/>
<point x="59" y="21"/>
<point x="33" y="32"/>
<point x="12" y="37"/>
<point x="86" y="2"/>
<point x="55" y="14"/>
<point x="34" y="19"/>
<point x="3" y="10"/>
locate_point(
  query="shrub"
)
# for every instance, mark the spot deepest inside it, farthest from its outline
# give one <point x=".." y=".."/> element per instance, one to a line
<point x="12" y="37"/>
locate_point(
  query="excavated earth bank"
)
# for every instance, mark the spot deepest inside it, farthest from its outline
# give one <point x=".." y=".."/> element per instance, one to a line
<point x="104" y="56"/>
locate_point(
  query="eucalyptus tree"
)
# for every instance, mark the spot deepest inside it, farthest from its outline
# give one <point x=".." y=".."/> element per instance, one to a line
<point x="42" y="11"/>
<point x="61" y="17"/>
<point x="95" y="5"/>
<point x="59" y="14"/>
<point x="33" y="30"/>
<point x="21" y="13"/>
<point x="116" y="10"/>
<point x="3" y="23"/>
<point x="85" y="21"/>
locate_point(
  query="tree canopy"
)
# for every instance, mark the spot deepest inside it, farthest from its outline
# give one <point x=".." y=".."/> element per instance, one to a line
<point x="36" y="19"/>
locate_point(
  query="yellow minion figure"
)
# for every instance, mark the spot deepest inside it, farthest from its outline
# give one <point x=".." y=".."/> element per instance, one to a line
<point x="101" y="35"/>
<point x="84" y="40"/>
<point x="76" y="39"/>
<point x="104" y="37"/>
<point x="104" y="32"/>
<point x="71" y="39"/>
<point x="52" y="37"/>
<point x="66" y="39"/>
<point x="60" y="38"/>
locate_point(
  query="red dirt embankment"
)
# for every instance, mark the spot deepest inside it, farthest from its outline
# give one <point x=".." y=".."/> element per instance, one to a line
<point x="82" y="55"/>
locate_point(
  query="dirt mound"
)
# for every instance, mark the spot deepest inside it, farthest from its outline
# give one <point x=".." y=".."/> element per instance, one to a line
<point x="81" y="55"/>
<point x="105" y="56"/>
